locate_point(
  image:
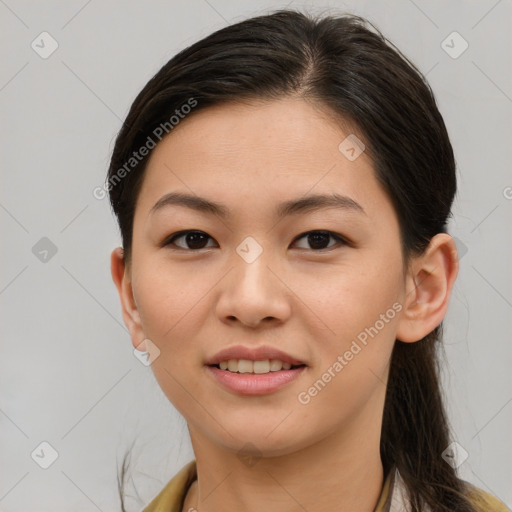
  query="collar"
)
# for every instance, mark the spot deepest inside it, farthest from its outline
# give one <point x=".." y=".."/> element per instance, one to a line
<point x="393" y="496"/>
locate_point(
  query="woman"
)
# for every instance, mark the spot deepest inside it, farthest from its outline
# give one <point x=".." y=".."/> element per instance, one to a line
<point x="283" y="188"/>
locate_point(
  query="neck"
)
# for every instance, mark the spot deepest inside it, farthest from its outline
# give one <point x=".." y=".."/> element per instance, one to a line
<point x="341" y="472"/>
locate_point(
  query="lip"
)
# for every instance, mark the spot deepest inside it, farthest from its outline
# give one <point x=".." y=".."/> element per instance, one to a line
<point x="255" y="384"/>
<point x="253" y="354"/>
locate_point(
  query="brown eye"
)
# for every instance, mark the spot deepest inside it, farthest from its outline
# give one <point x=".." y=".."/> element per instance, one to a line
<point x="194" y="240"/>
<point x="319" y="240"/>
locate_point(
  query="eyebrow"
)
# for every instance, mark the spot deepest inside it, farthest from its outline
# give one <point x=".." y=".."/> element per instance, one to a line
<point x="292" y="207"/>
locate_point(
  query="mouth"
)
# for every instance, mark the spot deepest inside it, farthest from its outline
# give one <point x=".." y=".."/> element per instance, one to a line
<point x="262" y="367"/>
<point x="255" y="378"/>
<point x="259" y="370"/>
<point x="260" y="359"/>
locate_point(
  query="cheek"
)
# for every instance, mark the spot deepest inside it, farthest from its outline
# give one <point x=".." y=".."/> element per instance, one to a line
<point x="172" y="314"/>
<point x="168" y="299"/>
<point x="361" y="310"/>
<point x="350" y="374"/>
<point x="349" y="299"/>
<point x="169" y="304"/>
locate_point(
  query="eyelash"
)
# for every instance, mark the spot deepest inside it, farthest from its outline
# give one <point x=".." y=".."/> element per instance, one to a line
<point x="170" y="240"/>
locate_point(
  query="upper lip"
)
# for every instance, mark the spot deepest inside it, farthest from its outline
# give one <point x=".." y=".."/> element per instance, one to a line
<point x="252" y="354"/>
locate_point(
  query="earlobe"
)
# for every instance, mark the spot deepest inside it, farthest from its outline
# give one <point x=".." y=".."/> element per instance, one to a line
<point x="429" y="283"/>
<point x="121" y="277"/>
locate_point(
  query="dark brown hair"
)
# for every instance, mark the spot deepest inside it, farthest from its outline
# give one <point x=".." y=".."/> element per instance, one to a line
<point x="347" y="67"/>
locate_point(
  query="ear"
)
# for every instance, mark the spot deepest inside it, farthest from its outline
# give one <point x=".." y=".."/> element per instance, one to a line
<point x="429" y="283"/>
<point x="121" y="276"/>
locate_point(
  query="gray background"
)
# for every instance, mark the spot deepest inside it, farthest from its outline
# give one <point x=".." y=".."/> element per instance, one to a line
<point x="68" y="375"/>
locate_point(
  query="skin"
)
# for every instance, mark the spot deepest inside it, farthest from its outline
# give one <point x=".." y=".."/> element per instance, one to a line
<point x="309" y="302"/>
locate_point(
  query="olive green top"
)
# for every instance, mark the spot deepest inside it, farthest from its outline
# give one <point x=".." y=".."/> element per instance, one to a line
<point x="392" y="498"/>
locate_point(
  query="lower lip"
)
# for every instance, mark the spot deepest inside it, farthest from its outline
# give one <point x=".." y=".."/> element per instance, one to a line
<point x="254" y="383"/>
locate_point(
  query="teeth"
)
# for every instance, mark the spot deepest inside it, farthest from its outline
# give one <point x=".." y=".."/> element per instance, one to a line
<point x="275" y="365"/>
<point x="260" y="366"/>
<point x="247" y="366"/>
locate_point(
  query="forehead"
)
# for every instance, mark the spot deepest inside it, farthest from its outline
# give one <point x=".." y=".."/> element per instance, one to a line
<point x="266" y="129"/>
<point x="259" y="152"/>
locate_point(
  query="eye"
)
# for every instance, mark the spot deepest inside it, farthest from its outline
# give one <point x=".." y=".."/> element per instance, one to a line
<point x="318" y="239"/>
<point x="194" y="239"/>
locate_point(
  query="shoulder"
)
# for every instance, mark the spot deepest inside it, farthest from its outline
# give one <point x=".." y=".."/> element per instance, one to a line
<point x="172" y="496"/>
<point x="484" y="501"/>
<point x="481" y="500"/>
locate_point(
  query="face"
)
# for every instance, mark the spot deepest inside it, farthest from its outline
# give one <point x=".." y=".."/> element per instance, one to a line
<point x="322" y="283"/>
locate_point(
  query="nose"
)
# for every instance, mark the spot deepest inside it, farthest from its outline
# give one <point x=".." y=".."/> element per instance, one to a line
<point x="254" y="293"/>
